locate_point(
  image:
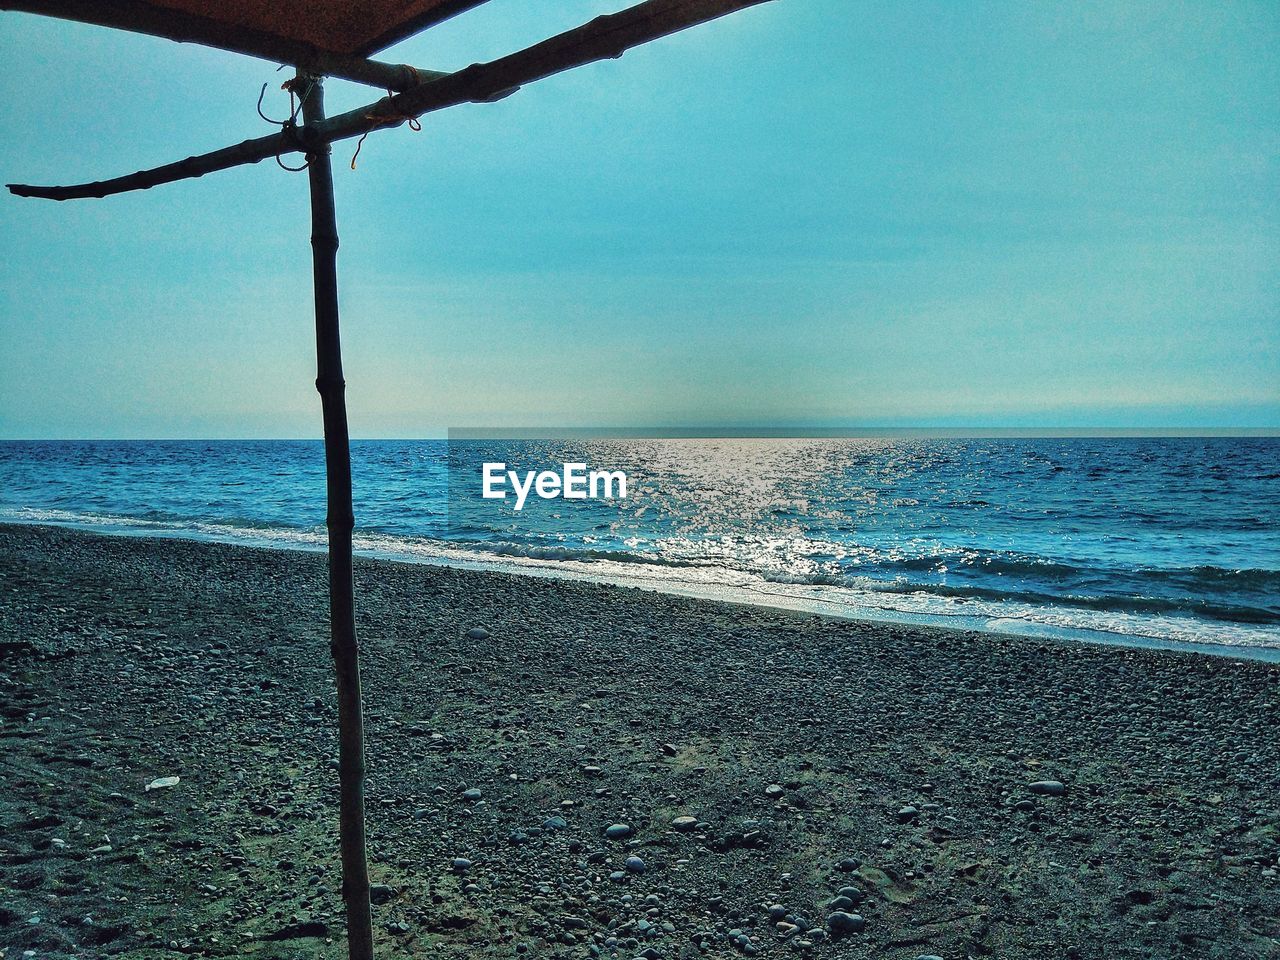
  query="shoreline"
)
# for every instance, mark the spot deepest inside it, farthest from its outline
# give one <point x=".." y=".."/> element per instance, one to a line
<point x="804" y="601"/>
<point x="818" y="758"/>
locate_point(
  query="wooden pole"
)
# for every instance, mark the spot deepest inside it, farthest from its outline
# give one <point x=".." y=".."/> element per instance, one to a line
<point x="341" y="521"/>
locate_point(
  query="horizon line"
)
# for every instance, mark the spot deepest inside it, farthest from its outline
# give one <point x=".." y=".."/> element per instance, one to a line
<point x="716" y="433"/>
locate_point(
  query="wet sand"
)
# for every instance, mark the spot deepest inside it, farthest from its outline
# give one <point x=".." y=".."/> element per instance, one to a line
<point x="812" y="758"/>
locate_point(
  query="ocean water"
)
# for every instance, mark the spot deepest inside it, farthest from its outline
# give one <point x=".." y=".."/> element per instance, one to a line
<point x="1171" y="541"/>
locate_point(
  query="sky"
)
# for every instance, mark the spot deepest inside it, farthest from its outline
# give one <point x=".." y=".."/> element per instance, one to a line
<point x="812" y="213"/>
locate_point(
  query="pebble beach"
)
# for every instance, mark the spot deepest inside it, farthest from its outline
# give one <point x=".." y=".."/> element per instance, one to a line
<point x="570" y="770"/>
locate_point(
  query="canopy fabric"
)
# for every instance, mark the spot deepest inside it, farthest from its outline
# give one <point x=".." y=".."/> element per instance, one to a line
<point x="336" y="26"/>
<point x="261" y="27"/>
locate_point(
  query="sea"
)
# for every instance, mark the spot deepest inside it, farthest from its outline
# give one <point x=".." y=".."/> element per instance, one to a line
<point x="1169" y="541"/>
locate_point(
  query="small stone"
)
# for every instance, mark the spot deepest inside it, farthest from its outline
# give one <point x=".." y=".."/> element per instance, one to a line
<point x="848" y="865"/>
<point x="472" y="795"/>
<point x="461" y="864"/>
<point x="684" y="824"/>
<point x="907" y="814"/>
<point x="617" y="831"/>
<point x="635" y="865"/>
<point x="1048" y="788"/>
<point x="773" y="791"/>
<point x="161" y="783"/>
<point x="556" y="822"/>
<point x="841" y="923"/>
<point x="478" y="633"/>
<point x="380" y="893"/>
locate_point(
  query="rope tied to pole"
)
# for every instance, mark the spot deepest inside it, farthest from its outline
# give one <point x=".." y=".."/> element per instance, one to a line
<point x="289" y="128"/>
<point x="391" y="121"/>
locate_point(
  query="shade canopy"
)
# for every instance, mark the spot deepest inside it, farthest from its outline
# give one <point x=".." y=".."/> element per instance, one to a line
<point x="290" y="31"/>
<point x="336" y="26"/>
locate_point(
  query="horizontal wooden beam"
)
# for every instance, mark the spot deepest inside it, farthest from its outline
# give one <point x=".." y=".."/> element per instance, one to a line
<point x="190" y="28"/>
<point x="605" y="37"/>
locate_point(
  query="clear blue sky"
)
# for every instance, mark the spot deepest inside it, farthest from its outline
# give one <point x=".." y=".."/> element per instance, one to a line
<point x="819" y="212"/>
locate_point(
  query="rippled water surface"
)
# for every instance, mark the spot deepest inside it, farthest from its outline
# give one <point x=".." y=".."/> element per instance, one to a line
<point x="1175" y="539"/>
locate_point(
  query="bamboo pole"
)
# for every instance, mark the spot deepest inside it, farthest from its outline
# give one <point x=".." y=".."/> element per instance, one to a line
<point x="340" y="521"/>
<point x="603" y="38"/>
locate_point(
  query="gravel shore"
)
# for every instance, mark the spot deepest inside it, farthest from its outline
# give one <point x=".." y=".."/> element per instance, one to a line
<point x="561" y="769"/>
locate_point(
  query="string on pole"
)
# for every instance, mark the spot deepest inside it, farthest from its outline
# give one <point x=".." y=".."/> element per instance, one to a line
<point x="289" y="127"/>
<point x="414" y="124"/>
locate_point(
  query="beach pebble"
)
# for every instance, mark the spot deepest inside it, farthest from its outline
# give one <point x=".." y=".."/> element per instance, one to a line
<point x="478" y="633"/>
<point x="472" y="795"/>
<point x="907" y="814"/>
<point x="617" y="831"/>
<point x="841" y="923"/>
<point x="461" y="863"/>
<point x="773" y="790"/>
<point x="635" y="864"/>
<point x="684" y="824"/>
<point x="162" y="783"/>
<point x="556" y="822"/>
<point x="1048" y="788"/>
